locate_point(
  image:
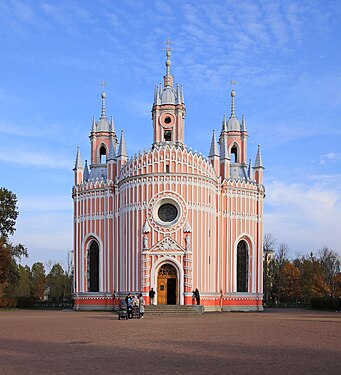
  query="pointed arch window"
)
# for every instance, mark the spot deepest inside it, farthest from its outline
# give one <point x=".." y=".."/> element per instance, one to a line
<point x="103" y="154"/>
<point x="93" y="267"/>
<point x="234" y="154"/>
<point x="167" y="135"/>
<point x="242" y="266"/>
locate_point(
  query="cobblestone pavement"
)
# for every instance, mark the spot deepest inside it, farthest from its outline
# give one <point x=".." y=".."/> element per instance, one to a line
<point x="272" y="342"/>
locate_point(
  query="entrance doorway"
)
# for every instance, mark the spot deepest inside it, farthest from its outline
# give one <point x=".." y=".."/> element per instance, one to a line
<point x="167" y="291"/>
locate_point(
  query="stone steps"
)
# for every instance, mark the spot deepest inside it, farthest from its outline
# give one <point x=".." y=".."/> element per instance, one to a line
<point x="173" y="309"/>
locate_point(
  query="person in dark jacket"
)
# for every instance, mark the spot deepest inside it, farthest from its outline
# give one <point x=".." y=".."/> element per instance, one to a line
<point x="129" y="302"/>
<point x="197" y="296"/>
<point x="151" y="296"/>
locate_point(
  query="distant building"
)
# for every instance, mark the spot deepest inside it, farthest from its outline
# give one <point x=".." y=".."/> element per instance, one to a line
<point x="168" y="218"/>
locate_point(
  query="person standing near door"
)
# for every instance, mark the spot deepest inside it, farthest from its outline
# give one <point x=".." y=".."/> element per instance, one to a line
<point x="151" y="296"/>
<point x="197" y="296"/>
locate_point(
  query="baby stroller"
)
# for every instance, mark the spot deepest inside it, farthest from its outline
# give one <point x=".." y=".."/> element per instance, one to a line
<point x="122" y="310"/>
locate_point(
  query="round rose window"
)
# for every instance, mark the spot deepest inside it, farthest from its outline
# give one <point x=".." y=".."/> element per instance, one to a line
<point x="167" y="212"/>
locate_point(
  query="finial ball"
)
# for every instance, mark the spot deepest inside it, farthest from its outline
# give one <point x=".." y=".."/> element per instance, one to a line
<point x="233" y="93"/>
<point x="103" y="95"/>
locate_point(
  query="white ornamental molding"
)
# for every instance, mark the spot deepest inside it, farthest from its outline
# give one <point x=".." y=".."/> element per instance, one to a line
<point x="187" y="228"/>
<point x="167" y="245"/>
<point x="167" y="197"/>
<point x="146" y="228"/>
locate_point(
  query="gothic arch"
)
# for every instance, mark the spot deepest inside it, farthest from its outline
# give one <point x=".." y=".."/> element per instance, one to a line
<point x="235" y="153"/>
<point x="102" y="153"/>
<point x="93" y="275"/>
<point x="180" y="274"/>
<point x="244" y="264"/>
<point x="86" y="245"/>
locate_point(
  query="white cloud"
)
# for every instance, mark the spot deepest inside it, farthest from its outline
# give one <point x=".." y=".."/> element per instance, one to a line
<point x="330" y="157"/>
<point x="46" y="235"/>
<point x="34" y="158"/>
<point x="53" y="202"/>
<point x="308" y="216"/>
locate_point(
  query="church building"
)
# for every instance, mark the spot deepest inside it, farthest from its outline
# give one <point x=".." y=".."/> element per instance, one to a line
<point x="169" y="218"/>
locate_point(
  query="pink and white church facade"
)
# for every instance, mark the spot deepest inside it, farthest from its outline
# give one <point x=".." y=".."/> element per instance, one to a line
<point x="169" y="218"/>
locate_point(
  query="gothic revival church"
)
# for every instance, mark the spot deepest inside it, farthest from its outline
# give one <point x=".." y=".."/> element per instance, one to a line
<point x="169" y="218"/>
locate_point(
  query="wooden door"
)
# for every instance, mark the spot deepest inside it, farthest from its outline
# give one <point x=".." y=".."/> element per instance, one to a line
<point x="162" y="291"/>
<point x="167" y="285"/>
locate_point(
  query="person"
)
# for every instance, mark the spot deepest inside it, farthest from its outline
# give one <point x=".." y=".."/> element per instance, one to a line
<point x="129" y="302"/>
<point x="197" y="296"/>
<point x="141" y="306"/>
<point x="114" y="301"/>
<point x="136" y="306"/>
<point x="151" y="296"/>
<point x="194" y="297"/>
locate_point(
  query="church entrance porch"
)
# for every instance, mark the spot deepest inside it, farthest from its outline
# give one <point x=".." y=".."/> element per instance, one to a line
<point x="167" y="285"/>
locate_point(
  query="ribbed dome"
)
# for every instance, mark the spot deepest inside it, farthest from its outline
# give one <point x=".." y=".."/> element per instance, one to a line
<point x="102" y="125"/>
<point x="233" y="123"/>
<point x="168" y="96"/>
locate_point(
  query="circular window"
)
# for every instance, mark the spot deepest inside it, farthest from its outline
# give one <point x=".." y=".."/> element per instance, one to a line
<point x="168" y="120"/>
<point x="167" y="212"/>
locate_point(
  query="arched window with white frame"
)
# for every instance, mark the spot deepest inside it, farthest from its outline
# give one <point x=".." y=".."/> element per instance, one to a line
<point x="242" y="266"/>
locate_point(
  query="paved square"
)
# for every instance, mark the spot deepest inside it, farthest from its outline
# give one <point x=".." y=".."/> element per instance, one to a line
<point x="273" y="342"/>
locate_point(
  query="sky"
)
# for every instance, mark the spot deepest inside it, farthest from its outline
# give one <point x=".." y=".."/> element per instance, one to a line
<point x="284" y="56"/>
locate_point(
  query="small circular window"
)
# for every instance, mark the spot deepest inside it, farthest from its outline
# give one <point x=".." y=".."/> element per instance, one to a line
<point x="168" y="120"/>
<point x="167" y="212"/>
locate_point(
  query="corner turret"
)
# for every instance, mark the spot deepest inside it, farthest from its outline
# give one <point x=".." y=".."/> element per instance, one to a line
<point x="78" y="169"/>
<point x="258" y="167"/>
<point x="168" y="112"/>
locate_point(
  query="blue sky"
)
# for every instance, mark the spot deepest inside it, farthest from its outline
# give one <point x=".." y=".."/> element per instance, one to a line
<point x="285" y="56"/>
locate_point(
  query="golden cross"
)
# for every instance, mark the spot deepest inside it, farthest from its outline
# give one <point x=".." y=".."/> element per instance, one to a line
<point x="168" y="44"/>
<point x="103" y="84"/>
<point x="233" y="82"/>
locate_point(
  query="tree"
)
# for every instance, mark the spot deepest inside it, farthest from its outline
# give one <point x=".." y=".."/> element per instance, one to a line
<point x="57" y="282"/>
<point x="278" y="267"/>
<point x="9" y="271"/>
<point x="38" y="281"/>
<point x="9" y="253"/>
<point x="330" y="263"/>
<point x="22" y="288"/>
<point x="269" y="244"/>
<point x="8" y="212"/>
<point x="290" y="277"/>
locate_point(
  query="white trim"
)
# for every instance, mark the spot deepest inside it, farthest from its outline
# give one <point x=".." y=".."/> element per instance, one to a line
<point x="100" y="254"/>
<point x="251" y="258"/>
<point x="180" y="275"/>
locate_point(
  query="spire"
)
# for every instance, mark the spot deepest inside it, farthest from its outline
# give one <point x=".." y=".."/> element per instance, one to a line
<point x="112" y="126"/>
<point x="249" y="170"/>
<point x="155" y="93"/>
<point x="224" y="124"/>
<point x="233" y="94"/>
<point x="224" y="153"/>
<point x="243" y="125"/>
<point x="78" y="163"/>
<point x="168" y="79"/>
<point x="103" y="114"/>
<point x="122" y="150"/>
<point x="258" y="161"/>
<point x="86" y="174"/>
<point x="214" y="147"/>
<point x="112" y="153"/>
<point x="93" y="125"/>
